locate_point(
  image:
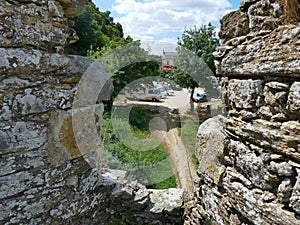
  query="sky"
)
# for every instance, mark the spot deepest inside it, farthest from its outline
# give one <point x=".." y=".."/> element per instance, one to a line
<point x="158" y="23"/>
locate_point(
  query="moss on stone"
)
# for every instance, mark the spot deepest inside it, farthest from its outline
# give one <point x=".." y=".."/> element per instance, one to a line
<point x="67" y="137"/>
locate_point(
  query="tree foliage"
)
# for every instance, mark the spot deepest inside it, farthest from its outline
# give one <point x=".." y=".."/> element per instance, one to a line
<point x="102" y="39"/>
<point x="195" y="62"/>
<point x="126" y="62"/>
<point x="201" y="41"/>
<point x="96" y="29"/>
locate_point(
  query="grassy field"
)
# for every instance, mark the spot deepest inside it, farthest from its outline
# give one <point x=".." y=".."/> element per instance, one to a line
<point x="125" y="138"/>
<point x="150" y="167"/>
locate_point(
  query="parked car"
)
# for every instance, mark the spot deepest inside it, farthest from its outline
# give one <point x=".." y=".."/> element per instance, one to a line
<point x="200" y="97"/>
<point x="170" y="91"/>
<point x="161" y="91"/>
<point x="143" y="93"/>
<point x="176" y="87"/>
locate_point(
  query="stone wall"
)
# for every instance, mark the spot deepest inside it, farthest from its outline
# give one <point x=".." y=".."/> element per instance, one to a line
<point x="48" y="104"/>
<point x="254" y="175"/>
<point x="249" y="162"/>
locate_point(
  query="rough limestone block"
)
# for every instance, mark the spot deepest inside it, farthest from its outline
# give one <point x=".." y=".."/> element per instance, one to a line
<point x="210" y="150"/>
<point x="43" y="26"/>
<point x="166" y="200"/>
<point x="18" y="182"/>
<point x="234" y="24"/>
<point x="244" y="94"/>
<point x="273" y="52"/>
<point x="35" y="100"/>
<point x="251" y="166"/>
<point x="294" y="99"/>
<point x="22" y="135"/>
<point x="280" y="137"/>
<point x="295" y="197"/>
<point x="265" y="15"/>
<point x="252" y="205"/>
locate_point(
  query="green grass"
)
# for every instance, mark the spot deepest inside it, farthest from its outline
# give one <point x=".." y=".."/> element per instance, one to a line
<point x="151" y="166"/>
<point x="168" y="183"/>
<point x="188" y="132"/>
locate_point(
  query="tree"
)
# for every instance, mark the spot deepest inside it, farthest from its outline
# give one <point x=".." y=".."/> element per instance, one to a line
<point x="195" y="62"/>
<point x="126" y="61"/>
<point x="94" y="28"/>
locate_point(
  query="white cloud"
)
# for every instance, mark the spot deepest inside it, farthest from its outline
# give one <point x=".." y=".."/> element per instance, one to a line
<point x="157" y="47"/>
<point x="154" y="17"/>
<point x="158" y="23"/>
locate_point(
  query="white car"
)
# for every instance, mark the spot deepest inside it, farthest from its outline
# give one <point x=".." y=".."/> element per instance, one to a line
<point x="200" y="97"/>
<point x="162" y="92"/>
<point x="170" y="92"/>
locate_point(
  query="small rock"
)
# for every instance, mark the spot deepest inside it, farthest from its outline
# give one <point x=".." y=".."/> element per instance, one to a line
<point x="279" y="117"/>
<point x="72" y="181"/>
<point x="265" y="112"/>
<point x="246" y="115"/>
<point x="284" y="190"/>
<point x="295" y="197"/>
<point x="294" y="98"/>
<point x="268" y="196"/>
<point x="234" y="24"/>
<point x="281" y="97"/>
<point x="244" y="5"/>
<point x="282" y="169"/>
<point x="278" y="86"/>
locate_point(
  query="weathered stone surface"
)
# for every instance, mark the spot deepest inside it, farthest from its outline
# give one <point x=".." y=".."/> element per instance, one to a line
<point x="295" y="197"/>
<point x="282" y="169"/>
<point x="252" y="166"/>
<point x="40" y="101"/>
<point x="265" y="15"/>
<point x="166" y="200"/>
<point x="281" y="137"/>
<point x="245" y="4"/>
<point x="294" y="99"/>
<point x="284" y="190"/>
<point x="278" y="86"/>
<point x="19" y="61"/>
<point x="50" y="117"/>
<point x="73" y="8"/>
<point x="259" y="39"/>
<point x="234" y="24"/>
<point x="253" y="208"/>
<point x="11" y="163"/>
<point x="244" y="94"/>
<point x="210" y="150"/>
<point x="22" y="135"/>
<point x="140" y="205"/>
<point x="260" y="158"/>
<point x="42" y="26"/>
<point x="260" y="55"/>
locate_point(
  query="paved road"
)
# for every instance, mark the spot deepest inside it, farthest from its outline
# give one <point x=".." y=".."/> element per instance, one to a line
<point x="179" y="100"/>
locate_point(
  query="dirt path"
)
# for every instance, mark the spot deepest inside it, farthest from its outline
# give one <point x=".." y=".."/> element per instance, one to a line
<point x="180" y="157"/>
<point x="181" y="160"/>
